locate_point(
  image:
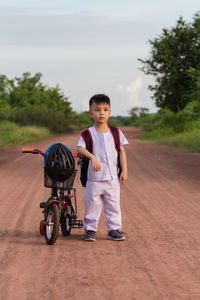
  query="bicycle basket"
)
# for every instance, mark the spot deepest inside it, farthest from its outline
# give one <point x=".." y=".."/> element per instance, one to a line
<point x="54" y="177"/>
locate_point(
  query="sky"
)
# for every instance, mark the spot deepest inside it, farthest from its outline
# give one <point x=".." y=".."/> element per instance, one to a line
<point x="87" y="46"/>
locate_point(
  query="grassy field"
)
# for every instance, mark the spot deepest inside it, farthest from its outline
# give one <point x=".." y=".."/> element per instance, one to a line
<point x="12" y="134"/>
<point x="189" y="140"/>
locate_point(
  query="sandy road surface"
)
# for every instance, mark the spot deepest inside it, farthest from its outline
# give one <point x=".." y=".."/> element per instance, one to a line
<point x="160" y="259"/>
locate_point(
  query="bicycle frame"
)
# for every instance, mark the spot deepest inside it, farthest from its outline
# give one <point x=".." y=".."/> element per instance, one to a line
<point x="58" y="209"/>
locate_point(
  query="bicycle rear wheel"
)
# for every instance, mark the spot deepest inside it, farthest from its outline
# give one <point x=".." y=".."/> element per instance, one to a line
<point x="65" y="221"/>
<point x="52" y="224"/>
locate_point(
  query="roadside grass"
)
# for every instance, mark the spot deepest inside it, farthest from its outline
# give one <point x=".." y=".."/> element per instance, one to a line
<point x="189" y="140"/>
<point x="180" y="130"/>
<point x="12" y="134"/>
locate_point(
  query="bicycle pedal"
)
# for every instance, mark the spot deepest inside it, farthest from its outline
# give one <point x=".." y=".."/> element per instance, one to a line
<point x="76" y="223"/>
<point x="42" y="204"/>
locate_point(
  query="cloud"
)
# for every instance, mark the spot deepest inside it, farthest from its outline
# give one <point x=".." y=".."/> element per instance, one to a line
<point x="131" y="94"/>
<point x="84" y="104"/>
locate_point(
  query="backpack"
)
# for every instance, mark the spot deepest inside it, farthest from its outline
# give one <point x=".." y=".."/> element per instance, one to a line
<point x="87" y="137"/>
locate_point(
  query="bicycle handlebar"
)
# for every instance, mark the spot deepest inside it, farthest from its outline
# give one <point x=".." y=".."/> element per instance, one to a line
<point x="38" y="151"/>
<point x="33" y="151"/>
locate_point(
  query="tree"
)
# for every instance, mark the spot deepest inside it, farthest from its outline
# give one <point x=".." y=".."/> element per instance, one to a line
<point x="27" y="101"/>
<point x="172" y="56"/>
<point x="194" y="75"/>
<point x="25" y="91"/>
<point x="4" y="90"/>
<point x="28" y="91"/>
<point x="138" y="112"/>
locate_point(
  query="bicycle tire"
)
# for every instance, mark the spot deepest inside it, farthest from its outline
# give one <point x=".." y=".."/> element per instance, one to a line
<point x="65" y="221"/>
<point x="52" y="224"/>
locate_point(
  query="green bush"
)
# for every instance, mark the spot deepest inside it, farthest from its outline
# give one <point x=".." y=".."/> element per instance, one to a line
<point x="114" y="122"/>
<point x="83" y="120"/>
<point x="187" y="140"/>
<point x="166" y="120"/>
<point x="180" y="130"/>
<point x="5" y="112"/>
<point x="54" y="121"/>
<point x="193" y="109"/>
<point x="13" y="134"/>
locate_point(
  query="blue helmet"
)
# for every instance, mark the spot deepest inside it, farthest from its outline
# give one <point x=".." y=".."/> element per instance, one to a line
<point x="59" y="156"/>
<point x="59" y="162"/>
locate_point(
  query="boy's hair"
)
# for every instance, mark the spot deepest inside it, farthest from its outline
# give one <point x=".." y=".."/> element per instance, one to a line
<point x="98" y="99"/>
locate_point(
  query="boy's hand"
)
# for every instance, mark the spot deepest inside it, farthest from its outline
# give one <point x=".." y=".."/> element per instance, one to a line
<point x="95" y="164"/>
<point x="123" y="177"/>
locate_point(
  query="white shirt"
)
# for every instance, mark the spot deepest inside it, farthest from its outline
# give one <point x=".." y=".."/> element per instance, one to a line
<point x="106" y="153"/>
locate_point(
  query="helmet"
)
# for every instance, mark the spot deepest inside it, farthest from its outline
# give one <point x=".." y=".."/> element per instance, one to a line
<point x="59" y="162"/>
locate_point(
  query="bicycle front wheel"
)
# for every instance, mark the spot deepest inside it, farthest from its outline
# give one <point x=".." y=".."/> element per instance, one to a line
<point x="52" y="224"/>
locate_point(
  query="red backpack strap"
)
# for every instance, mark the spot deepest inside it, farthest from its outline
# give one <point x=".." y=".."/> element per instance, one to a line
<point x="87" y="137"/>
<point x="116" y="136"/>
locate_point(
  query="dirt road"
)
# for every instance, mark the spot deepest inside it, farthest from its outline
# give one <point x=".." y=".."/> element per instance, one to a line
<point x="160" y="259"/>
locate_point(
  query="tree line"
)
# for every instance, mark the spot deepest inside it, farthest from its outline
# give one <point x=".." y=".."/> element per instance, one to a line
<point x="27" y="101"/>
<point x="174" y="62"/>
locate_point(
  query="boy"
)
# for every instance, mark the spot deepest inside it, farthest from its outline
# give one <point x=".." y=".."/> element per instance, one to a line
<point x="103" y="184"/>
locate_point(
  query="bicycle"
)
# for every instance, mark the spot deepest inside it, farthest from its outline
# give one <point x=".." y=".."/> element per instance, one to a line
<point x="61" y="207"/>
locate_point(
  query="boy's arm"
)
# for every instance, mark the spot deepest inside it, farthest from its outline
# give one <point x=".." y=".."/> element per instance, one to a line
<point x="123" y="161"/>
<point x="95" y="163"/>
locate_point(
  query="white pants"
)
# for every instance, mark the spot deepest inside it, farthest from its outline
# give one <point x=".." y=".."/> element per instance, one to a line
<point x="97" y="194"/>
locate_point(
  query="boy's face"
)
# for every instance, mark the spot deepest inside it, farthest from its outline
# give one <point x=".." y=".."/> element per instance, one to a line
<point x="100" y="113"/>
